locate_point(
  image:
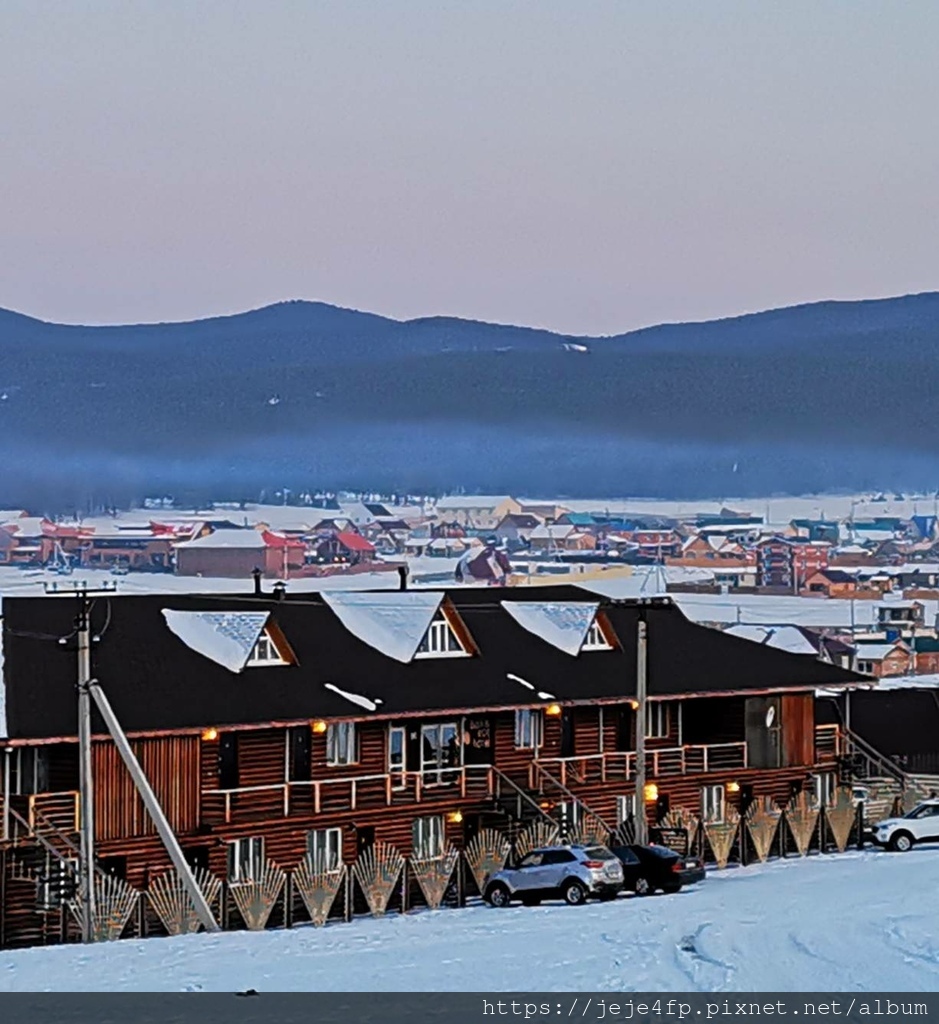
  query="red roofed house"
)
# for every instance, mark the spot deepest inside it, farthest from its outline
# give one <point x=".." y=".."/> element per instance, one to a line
<point x="343" y="548"/>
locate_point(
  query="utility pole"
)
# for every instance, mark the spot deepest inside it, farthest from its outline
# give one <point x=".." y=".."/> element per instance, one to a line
<point x="86" y="779"/>
<point x="85" y="775"/>
<point x="641" y="700"/>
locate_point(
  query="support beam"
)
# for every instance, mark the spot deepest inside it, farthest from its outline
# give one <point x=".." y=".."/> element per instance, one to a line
<point x="199" y="902"/>
<point x="86" y="881"/>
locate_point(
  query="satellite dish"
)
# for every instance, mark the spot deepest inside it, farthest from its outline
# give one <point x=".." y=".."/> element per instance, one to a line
<point x="770" y="716"/>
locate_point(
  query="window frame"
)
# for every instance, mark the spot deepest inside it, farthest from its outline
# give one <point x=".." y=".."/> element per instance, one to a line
<point x="441" y="627"/>
<point x="397" y="768"/>
<point x="596" y="638"/>
<point x="331" y="847"/>
<point x="428" y="837"/>
<point x="254" y="860"/>
<point x="437" y="772"/>
<point x="270" y="657"/>
<point x="529" y="736"/>
<point x="708" y="793"/>
<point x="625" y="808"/>
<point x="658" y="718"/>
<point x="35" y="771"/>
<point x="342" y="744"/>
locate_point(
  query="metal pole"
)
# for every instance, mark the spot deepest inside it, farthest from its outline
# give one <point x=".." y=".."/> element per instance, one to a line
<point x="6" y="792"/>
<point x="86" y="778"/>
<point x="163" y="827"/>
<point x="641" y="700"/>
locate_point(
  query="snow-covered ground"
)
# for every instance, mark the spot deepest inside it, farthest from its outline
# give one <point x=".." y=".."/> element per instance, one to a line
<point x="855" y="922"/>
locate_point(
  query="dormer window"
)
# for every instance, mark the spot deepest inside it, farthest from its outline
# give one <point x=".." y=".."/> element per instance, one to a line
<point x="440" y="640"/>
<point x="596" y="639"/>
<point x="265" y="653"/>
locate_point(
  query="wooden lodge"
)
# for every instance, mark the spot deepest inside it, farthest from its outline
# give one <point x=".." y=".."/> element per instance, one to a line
<point x="272" y="725"/>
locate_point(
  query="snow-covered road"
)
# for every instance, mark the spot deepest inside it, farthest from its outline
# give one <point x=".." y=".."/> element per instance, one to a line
<point x="854" y="922"/>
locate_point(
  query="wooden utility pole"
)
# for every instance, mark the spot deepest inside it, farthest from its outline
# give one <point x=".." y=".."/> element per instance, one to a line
<point x="86" y="778"/>
<point x="641" y="702"/>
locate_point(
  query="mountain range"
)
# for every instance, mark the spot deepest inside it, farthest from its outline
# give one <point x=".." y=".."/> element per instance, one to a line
<point x="826" y="396"/>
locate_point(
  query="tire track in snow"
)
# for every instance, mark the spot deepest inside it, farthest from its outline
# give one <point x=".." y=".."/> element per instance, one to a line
<point x="706" y="973"/>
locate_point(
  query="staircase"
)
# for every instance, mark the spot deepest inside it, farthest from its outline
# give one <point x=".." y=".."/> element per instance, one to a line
<point x="577" y="814"/>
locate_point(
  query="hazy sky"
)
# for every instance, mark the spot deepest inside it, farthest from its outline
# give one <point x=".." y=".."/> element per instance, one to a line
<point x="586" y="165"/>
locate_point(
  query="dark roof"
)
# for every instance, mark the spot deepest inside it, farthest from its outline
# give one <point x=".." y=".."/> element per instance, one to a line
<point x="155" y="682"/>
<point x="522" y="519"/>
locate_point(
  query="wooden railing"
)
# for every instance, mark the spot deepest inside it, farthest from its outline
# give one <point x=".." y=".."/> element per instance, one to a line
<point x="690" y="759"/>
<point x="314" y="796"/>
<point x="828" y="742"/>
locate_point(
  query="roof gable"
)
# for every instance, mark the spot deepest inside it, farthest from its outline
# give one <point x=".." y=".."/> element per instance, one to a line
<point x="392" y="622"/>
<point x="227" y="638"/>
<point x="563" y="624"/>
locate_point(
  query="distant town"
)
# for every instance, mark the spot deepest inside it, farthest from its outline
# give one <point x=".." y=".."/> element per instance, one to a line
<point x="866" y="574"/>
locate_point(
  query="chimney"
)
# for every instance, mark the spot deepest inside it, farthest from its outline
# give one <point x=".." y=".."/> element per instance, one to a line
<point x="256" y="573"/>
<point x="280" y="590"/>
<point x="403" y="577"/>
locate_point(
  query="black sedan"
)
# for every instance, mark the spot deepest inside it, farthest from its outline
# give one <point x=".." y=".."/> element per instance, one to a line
<point x="647" y="869"/>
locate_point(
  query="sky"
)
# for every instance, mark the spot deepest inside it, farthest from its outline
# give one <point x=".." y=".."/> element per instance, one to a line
<point x="589" y="166"/>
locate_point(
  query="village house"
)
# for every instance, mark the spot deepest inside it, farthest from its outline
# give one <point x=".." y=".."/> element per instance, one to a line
<point x="275" y="728"/>
<point x="884" y="660"/>
<point x="476" y="512"/>
<point x="515" y="529"/>
<point x="549" y="539"/>
<point x="345" y="548"/>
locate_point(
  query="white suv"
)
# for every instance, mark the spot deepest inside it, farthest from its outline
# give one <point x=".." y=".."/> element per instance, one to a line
<point x="920" y="825"/>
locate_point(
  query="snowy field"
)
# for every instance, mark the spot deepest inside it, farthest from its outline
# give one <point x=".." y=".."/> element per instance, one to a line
<point x="855" y="922"/>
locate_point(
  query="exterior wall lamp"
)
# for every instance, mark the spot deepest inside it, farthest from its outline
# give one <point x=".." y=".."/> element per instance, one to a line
<point x="455" y="817"/>
<point x="553" y="709"/>
<point x="651" y="792"/>
<point x="733" y="787"/>
<point x="208" y="735"/>
<point x="319" y="726"/>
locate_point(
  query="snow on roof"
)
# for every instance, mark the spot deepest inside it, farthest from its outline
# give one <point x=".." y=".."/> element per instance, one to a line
<point x="785" y="638"/>
<point x="227" y="638"/>
<point x="392" y="622"/>
<point x="552" y="532"/>
<point x="460" y="501"/>
<point x="247" y="539"/>
<point x="354" y="698"/>
<point x="876" y="652"/>
<point x="562" y="624"/>
<point x="926" y="682"/>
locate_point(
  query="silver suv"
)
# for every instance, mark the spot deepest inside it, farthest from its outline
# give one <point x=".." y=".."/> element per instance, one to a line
<point x="573" y="873"/>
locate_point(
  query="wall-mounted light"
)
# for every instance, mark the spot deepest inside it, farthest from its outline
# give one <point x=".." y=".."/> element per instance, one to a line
<point x="733" y="787"/>
<point x="634" y="704"/>
<point x="553" y="709"/>
<point x="209" y="735"/>
<point x="319" y="726"/>
<point x="651" y="792"/>
<point x="455" y="817"/>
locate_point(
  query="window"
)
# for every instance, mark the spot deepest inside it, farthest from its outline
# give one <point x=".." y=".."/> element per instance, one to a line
<point x="246" y="859"/>
<point x="658" y="721"/>
<point x="532" y="860"/>
<point x="427" y="838"/>
<point x="529" y="729"/>
<point x="440" y="641"/>
<point x="625" y="808"/>
<point x="265" y="652"/>
<point x="325" y="848"/>
<point x="397" y="764"/>
<point x="712" y="804"/>
<point x="29" y="771"/>
<point x="558" y="857"/>
<point x="595" y="639"/>
<point x="440" y="750"/>
<point x="825" y="789"/>
<point x="341" y="743"/>
<point x="867" y="667"/>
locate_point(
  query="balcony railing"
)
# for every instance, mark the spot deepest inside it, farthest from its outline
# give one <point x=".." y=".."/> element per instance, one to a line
<point x="41" y="812"/>
<point x="690" y="759"/>
<point x="828" y="743"/>
<point x="315" y="796"/>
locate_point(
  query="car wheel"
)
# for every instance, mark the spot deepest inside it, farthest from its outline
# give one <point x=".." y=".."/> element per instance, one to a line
<point x="642" y="887"/>
<point x="531" y="901"/>
<point x="672" y="889"/>
<point x="574" y="893"/>
<point x="498" y="895"/>
<point x="902" y="842"/>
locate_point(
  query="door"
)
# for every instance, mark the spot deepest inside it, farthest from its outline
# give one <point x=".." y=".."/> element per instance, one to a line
<point x="925" y="823"/>
<point x="763" y="729"/>
<point x="440" y="753"/>
<point x="364" y="838"/>
<point x="526" y="877"/>
<point x="397" y="756"/>
<point x="299" y="753"/>
<point x="567" y="732"/>
<point x="228" y="760"/>
<point x="625" y="728"/>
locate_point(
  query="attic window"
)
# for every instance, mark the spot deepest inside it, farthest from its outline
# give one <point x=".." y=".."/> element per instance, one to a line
<point x="599" y="635"/>
<point x="440" y="640"/>
<point x="265" y="652"/>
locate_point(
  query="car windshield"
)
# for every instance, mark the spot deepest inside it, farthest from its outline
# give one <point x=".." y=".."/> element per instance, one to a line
<point x="598" y="853"/>
<point x="923" y="811"/>
<point x="663" y="851"/>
